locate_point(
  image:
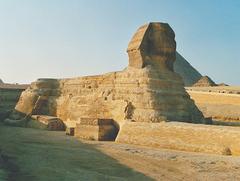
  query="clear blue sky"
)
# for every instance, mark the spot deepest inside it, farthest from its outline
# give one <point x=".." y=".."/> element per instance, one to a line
<point x="69" y="38"/>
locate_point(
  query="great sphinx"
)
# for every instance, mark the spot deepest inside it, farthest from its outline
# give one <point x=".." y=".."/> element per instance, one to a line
<point x="146" y="91"/>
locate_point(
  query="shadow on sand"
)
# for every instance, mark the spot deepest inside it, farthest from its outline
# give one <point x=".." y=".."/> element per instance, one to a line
<point x="39" y="155"/>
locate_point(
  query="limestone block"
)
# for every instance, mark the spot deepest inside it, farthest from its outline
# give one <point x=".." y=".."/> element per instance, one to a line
<point x="182" y="136"/>
<point x="70" y="131"/>
<point x="96" y="129"/>
<point x="46" y="122"/>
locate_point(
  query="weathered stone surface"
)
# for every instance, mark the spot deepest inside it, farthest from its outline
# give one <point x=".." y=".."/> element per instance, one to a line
<point x="35" y="100"/>
<point x="96" y="129"/>
<point x="70" y="131"/>
<point x="204" y="81"/>
<point x="153" y="44"/>
<point x="8" y="100"/>
<point x="183" y="136"/>
<point x="188" y="73"/>
<point x="50" y="123"/>
<point x="146" y="91"/>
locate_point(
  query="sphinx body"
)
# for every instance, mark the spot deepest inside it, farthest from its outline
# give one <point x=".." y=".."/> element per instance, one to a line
<point x="146" y="91"/>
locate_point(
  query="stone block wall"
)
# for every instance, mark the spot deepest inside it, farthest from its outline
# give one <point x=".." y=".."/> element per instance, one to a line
<point x="183" y="136"/>
<point x="96" y="129"/>
<point x="8" y="100"/>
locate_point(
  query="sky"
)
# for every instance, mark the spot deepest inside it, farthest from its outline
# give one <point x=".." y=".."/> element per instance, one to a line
<point x="71" y="38"/>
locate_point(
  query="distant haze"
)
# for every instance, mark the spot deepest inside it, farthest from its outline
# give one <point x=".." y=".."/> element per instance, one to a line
<point x="71" y="38"/>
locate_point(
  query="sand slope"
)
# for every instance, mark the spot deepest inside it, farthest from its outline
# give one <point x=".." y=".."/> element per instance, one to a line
<point x="220" y="103"/>
<point x="41" y="155"/>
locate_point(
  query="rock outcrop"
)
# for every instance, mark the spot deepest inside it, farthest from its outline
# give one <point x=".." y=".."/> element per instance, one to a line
<point x="205" y="81"/>
<point x="44" y="122"/>
<point x="146" y="91"/>
<point x="50" y="123"/>
<point x="188" y="73"/>
<point x="8" y="100"/>
<point x="1" y="82"/>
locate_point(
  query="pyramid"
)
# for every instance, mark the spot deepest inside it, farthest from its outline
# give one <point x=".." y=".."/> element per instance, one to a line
<point x="223" y="84"/>
<point x="205" y="81"/>
<point x="188" y="73"/>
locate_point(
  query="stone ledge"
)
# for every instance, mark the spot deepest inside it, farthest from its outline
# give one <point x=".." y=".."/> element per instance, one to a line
<point x="96" y="129"/>
<point x="182" y="136"/>
<point x="95" y="121"/>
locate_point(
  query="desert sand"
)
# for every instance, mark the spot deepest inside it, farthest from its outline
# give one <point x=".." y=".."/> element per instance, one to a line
<point x="222" y="103"/>
<point x="31" y="154"/>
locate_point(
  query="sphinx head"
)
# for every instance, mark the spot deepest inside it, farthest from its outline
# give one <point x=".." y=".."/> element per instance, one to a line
<point x="153" y="44"/>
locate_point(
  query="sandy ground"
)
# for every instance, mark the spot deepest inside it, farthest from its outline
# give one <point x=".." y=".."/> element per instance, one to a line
<point x="30" y="154"/>
<point x="222" y="107"/>
<point x="217" y="89"/>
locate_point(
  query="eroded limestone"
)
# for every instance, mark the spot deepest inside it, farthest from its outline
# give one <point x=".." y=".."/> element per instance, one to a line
<point x="146" y="91"/>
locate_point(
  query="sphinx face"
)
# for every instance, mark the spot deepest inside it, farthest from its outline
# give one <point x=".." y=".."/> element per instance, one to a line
<point x="161" y="46"/>
<point x="153" y="44"/>
<point x="160" y="43"/>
